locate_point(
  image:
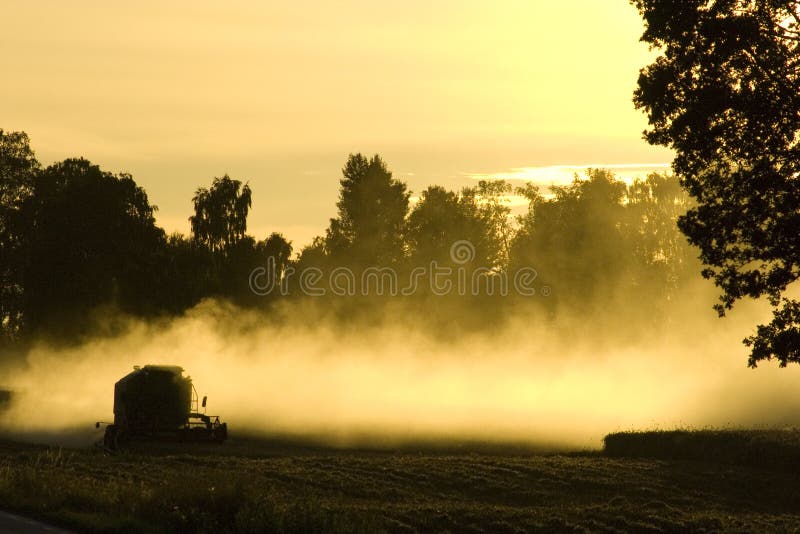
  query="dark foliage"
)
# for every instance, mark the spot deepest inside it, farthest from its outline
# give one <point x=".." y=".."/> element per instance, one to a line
<point x="600" y="244"/>
<point x="372" y="209"/>
<point x="90" y="238"/>
<point x="724" y="93"/>
<point x="77" y="239"/>
<point x="220" y="213"/>
<point x="18" y="167"/>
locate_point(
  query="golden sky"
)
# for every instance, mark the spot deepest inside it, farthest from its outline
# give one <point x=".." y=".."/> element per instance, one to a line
<point x="278" y="93"/>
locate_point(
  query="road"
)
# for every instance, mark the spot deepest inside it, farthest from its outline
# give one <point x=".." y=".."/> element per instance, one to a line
<point x="15" y="524"/>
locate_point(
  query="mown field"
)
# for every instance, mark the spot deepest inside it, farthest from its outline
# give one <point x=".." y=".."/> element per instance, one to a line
<point x="248" y="488"/>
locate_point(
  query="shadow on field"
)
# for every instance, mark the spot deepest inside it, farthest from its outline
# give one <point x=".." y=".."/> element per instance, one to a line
<point x="772" y="449"/>
<point x="259" y="444"/>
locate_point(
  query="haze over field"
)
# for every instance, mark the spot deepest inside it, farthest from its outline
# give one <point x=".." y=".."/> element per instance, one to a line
<point x="390" y="384"/>
<point x="504" y="131"/>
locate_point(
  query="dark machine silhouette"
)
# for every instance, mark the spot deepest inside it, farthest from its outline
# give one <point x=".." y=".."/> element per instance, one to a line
<point x="158" y="403"/>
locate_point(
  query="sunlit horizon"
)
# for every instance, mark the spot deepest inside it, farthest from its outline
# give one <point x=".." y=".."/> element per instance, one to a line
<point x="278" y="94"/>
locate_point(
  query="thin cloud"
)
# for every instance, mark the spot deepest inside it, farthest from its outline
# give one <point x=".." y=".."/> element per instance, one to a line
<point x="564" y="174"/>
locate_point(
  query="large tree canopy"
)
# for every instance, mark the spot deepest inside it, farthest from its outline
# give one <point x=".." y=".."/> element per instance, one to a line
<point x="89" y="238"/>
<point x="724" y="93"/>
<point x="598" y="242"/>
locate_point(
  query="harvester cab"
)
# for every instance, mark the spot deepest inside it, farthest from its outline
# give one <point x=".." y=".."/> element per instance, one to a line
<point x="158" y="403"/>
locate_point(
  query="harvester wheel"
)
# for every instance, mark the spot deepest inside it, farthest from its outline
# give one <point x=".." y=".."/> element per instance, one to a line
<point x="120" y="439"/>
<point x="109" y="438"/>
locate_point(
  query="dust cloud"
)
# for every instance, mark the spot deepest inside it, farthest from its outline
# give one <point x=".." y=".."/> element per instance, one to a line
<point x="525" y="382"/>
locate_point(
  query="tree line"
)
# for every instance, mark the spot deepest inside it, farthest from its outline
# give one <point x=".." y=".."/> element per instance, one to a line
<point x="76" y="238"/>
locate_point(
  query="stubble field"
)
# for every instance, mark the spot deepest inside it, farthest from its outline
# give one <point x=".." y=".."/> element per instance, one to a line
<point x="249" y="486"/>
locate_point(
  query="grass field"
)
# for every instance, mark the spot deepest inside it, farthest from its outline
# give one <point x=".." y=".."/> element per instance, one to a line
<point x="250" y="487"/>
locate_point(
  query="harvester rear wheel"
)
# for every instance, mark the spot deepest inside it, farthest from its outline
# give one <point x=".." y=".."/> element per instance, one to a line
<point x="109" y="438"/>
<point x="120" y="439"/>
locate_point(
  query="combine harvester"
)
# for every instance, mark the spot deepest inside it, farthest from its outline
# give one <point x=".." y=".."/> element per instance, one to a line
<point x="158" y="403"/>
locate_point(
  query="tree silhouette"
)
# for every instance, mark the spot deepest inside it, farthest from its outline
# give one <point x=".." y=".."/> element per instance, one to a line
<point x="574" y="239"/>
<point x="220" y="213"/>
<point x="662" y="254"/>
<point x="18" y="168"/>
<point x="599" y="243"/>
<point x="725" y="95"/>
<point x="442" y="217"/>
<point x="487" y="203"/>
<point x="436" y="221"/>
<point x="76" y="237"/>
<point x="372" y="208"/>
<point x="246" y="255"/>
<point x="277" y="250"/>
<point x="188" y="274"/>
<point x="91" y="239"/>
